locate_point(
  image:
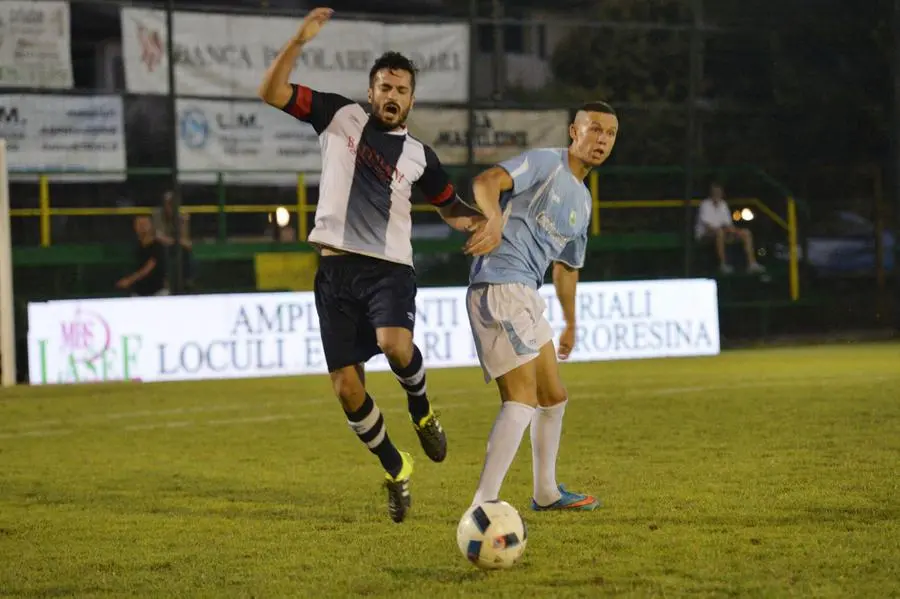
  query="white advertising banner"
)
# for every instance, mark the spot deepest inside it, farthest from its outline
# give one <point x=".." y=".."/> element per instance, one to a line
<point x="34" y="45"/>
<point x="277" y="334"/>
<point x="499" y="134"/>
<point x="225" y="135"/>
<point x="225" y="56"/>
<point x="63" y="133"/>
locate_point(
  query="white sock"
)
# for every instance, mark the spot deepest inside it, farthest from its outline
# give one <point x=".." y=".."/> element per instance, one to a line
<point x="546" y="431"/>
<point x="506" y="436"/>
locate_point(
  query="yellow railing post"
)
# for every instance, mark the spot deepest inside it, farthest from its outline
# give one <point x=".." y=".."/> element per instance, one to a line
<point x="794" y="265"/>
<point x="44" y="205"/>
<point x="302" y="226"/>
<point x="595" y="202"/>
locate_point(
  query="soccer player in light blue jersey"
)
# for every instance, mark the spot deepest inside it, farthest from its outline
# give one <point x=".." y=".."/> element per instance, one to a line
<point x="537" y="212"/>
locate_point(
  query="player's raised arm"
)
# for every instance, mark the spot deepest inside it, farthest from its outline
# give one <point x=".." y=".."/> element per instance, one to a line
<point x="299" y="101"/>
<point x="275" y="88"/>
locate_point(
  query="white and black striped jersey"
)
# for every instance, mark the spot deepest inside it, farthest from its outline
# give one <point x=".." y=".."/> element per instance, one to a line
<point x="367" y="179"/>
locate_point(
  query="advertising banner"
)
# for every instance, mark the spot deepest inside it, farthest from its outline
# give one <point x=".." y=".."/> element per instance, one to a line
<point x="225" y="135"/>
<point x="225" y="56"/>
<point x="499" y="134"/>
<point x="277" y="334"/>
<point x="63" y="133"/>
<point x="34" y="45"/>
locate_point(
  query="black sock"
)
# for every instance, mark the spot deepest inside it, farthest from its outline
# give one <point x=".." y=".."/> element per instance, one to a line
<point x="368" y="424"/>
<point x="412" y="379"/>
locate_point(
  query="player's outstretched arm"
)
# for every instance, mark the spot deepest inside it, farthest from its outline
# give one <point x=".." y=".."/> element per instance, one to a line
<point x="460" y="216"/>
<point x="275" y="88"/>
<point x="486" y="189"/>
<point x="439" y="191"/>
<point x="565" y="280"/>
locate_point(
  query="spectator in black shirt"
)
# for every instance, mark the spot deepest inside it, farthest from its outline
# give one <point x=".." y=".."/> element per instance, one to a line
<point x="150" y="276"/>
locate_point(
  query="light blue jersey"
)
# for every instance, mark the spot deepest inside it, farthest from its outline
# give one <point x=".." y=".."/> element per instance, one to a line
<point x="548" y="211"/>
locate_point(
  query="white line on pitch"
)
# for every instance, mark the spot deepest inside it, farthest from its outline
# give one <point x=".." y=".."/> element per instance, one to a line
<point x="762" y="384"/>
<point x="167" y="412"/>
<point x="597" y="386"/>
<point x="185" y="424"/>
<point x="252" y="420"/>
<point x="25" y="434"/>
<point x="53" y="422"/>
<point x="442" y="406"/>
<point x="146" y="427"/>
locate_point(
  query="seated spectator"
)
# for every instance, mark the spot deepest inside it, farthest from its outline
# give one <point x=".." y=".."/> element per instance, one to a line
<point x="714" y="223"/>
<point x="164" y="223"/>
<point x="150" y="257"/>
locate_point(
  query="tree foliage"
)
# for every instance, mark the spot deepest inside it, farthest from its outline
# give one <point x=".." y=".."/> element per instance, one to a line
<point x="789" y="83"/>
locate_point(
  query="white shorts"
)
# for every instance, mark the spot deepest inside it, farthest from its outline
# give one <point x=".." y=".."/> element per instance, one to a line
<point x="508" y="326"/>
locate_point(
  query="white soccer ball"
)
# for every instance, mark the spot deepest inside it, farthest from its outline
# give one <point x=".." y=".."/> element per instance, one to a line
<point x="492" y="535"/>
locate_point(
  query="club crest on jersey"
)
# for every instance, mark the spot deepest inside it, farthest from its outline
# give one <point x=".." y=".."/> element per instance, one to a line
<point x="573" y="218"/>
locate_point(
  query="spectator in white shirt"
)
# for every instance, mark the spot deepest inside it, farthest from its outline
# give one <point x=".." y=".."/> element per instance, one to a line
<point x="714" y="222"/>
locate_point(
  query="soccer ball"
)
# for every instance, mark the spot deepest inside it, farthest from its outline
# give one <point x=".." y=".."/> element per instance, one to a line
<point x="492" y="535"/>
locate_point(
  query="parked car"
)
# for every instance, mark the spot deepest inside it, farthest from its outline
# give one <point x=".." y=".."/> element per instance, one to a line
<point x="843" y="243"/>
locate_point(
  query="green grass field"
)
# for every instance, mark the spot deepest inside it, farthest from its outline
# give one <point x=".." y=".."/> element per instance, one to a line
<point x="764" y="473"/>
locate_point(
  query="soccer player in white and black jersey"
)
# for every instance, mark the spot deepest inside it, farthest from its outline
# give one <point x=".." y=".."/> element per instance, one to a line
<point x="365" y="285"/>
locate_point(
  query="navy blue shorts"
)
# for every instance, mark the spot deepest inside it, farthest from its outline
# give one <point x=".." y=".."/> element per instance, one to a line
<point x="356" y="295"/>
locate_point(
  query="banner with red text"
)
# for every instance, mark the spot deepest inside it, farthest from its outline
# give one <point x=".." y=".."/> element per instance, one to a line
<point x="225" y="56"/>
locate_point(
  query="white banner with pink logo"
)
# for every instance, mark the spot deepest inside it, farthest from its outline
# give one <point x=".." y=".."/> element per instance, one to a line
<point x="225" y="56"/>
<point x="250" y="335"/>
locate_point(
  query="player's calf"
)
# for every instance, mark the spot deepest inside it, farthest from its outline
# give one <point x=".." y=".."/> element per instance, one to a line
<point x="411" y="377"/>
<point x="368" y="424"/>
<point x="366" y="420"/>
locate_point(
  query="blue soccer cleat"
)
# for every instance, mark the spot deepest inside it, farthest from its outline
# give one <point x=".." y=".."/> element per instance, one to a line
<point x="568" y="501"/>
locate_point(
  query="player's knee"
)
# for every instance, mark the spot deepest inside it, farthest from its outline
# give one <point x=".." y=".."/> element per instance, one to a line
<point x="553" y="398"/>
<point x="346" y="384"/>
<point x="551" y="395"/>
<point x="397" y="349"/>
<point x="518" y="385"/>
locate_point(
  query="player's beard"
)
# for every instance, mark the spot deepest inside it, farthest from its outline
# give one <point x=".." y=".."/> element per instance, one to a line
<point x="396" y="123"/>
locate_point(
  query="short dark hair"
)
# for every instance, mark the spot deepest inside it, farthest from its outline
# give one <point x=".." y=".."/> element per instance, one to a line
<point x="394" y="61"/>
<point x="597" y="106"/>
